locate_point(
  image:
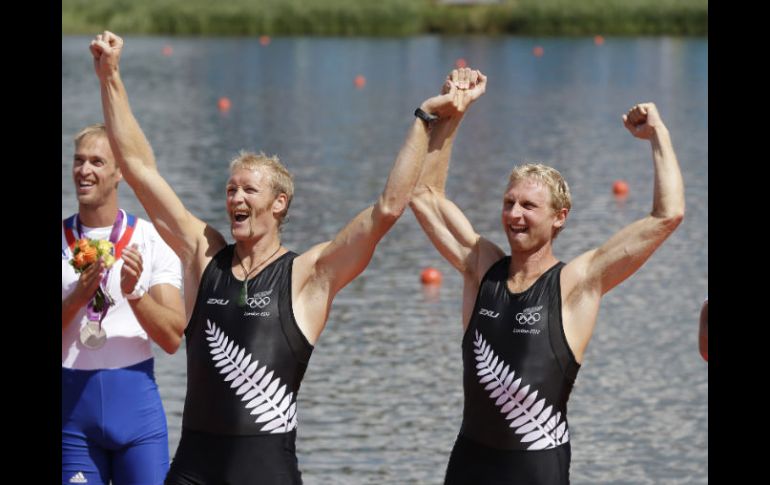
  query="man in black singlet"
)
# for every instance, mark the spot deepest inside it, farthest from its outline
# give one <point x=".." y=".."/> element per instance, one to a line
<point x="256" y="309"/>
<point x="527" y="316"/>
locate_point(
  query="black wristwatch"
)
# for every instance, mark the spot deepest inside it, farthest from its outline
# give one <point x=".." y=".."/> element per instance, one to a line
<point x="426" y="117"/>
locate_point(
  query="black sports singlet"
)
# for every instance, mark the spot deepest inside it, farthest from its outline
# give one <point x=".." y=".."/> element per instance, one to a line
<point x="517" y="377"/>
<point x="244" y="369"/>
<point x="244" y="364"/>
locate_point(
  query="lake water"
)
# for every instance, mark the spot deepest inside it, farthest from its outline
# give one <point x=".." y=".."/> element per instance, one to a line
<point x="382" y="399"/>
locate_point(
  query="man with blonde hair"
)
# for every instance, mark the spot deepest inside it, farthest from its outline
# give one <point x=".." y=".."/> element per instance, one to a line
<point x="527" y="316"/>
<point x="281" y="181"/>
<point x="113" y="423"/>
<point x="256" y="308"/>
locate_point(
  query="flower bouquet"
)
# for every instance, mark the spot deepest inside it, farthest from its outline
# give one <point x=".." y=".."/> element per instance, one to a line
<point x="85" y="253"/>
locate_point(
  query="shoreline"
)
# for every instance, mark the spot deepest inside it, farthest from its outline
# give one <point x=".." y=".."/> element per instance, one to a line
<point x="387" y="18"/>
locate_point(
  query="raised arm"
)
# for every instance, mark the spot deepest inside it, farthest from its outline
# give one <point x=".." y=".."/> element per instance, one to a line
<point x="443" y="222"/>
<point x="592" y="274"/>
<point x="626" y="251"/>
<point x="187" y="235"/>
<point x="327" y="267"/>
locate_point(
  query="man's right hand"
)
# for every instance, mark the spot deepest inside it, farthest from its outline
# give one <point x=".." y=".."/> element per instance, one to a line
<point x="88" y="283"/>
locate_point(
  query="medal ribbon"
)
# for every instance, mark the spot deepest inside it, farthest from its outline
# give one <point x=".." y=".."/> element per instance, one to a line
<point x="92" y="314"/>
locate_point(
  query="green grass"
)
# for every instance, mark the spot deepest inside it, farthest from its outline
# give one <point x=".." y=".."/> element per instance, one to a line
<point x="385" y="17"/>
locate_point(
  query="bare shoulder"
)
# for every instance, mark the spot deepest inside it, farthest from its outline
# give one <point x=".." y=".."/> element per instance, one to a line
<point x="487" y="254"/>
<point x="209" y="243"/>
<point x="305" y="265"/>
<point x="576" y="274"/>
<point x="581" y="296"/>
<point x="311" y="295"/>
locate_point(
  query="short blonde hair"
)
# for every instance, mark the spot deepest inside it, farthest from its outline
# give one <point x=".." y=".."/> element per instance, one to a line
<point x="281" y="180"/>
<point x="97" y="129"/>
<point x="551" y="178"/>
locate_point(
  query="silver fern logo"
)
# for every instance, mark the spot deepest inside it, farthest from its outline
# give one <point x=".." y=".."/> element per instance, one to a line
<point x="518" y="404"/>
<point x="254" y="384"/>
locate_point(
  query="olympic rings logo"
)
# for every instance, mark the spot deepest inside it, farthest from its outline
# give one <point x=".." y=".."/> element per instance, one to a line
<point x="261" y="302"/>
<point x="527" y="318"/>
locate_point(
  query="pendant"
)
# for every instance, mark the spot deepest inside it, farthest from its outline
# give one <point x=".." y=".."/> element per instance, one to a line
<point x="93" y="336"/>
<point x="243" y="295"/>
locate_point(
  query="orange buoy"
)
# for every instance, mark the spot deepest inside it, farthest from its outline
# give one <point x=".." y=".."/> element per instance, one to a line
<point x="538" y="51"/>
<point x="359" y="81"/>
<point x="264" y="39"/>
<point x="430" y="276"/>
<point x="460" y="63"/>
<point x="167" y="50"/>
<point x="620" y="188"/>
<point x="223" y="104"/>
<point x="598" y="40"/>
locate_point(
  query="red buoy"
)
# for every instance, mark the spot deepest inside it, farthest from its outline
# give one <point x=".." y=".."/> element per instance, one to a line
<point x="223" y="104"/>
<point x="538" y="51"/>
<point x="598" y="40"/>
<point x="264" y="40"/>
<point x="460" y="63"/>
<point x="167" y="50"/>
<point x="359" y="81"/>
<point x="430" y="276"/>
<point x="620" y="188"/>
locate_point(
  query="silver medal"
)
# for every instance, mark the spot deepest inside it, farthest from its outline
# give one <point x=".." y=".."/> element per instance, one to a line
<point x="93" y="336"/>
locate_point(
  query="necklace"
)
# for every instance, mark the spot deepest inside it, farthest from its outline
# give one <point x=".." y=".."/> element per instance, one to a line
<point x="244" y="289"/>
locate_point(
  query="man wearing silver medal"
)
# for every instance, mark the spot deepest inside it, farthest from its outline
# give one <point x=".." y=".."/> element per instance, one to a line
<point x="113" y="423"/>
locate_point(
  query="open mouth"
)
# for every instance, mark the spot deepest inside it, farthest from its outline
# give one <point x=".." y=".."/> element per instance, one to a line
<point x="240" y="215"/>
<point x="85" y="186"/>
